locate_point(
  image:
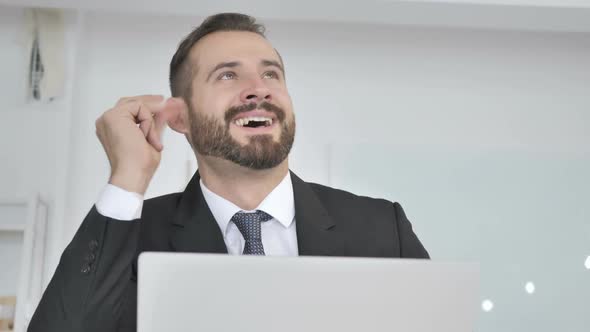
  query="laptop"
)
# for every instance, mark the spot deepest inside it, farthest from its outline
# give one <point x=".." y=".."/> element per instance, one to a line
<point x="213" y="292"/>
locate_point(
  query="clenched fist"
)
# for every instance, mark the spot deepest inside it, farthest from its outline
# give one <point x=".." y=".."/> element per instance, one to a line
<point x="131" y="135"/>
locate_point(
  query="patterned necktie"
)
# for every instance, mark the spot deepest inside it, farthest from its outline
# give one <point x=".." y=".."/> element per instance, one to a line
<point x="249" y="226"/>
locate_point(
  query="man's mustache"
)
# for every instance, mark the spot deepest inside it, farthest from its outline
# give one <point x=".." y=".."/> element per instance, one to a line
<point x="232" y="112"/>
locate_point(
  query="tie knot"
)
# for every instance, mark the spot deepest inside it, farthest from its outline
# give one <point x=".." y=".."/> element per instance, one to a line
<point x="249" y="223"/>
<point x="249" y="226"/>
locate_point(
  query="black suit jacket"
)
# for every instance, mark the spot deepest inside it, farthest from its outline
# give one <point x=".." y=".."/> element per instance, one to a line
<point x="94" y="287"/>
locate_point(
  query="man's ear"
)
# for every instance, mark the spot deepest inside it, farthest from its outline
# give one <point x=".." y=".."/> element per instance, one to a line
<point x="177" y="117"/>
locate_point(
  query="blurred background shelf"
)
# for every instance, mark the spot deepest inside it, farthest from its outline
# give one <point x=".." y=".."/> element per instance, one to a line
<point x="12" y="227"/>
<point x="7" y="309"/>
<point x="23" y="223"/>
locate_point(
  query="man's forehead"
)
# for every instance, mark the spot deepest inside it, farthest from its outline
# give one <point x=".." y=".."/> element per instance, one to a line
<point x="231" y="46"/>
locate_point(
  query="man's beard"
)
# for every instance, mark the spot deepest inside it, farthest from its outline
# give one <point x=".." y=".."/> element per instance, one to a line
<point x="212" y="138"/>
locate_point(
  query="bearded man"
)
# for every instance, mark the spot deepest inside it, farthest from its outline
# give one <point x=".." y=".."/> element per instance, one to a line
<point x="230" y="100"/>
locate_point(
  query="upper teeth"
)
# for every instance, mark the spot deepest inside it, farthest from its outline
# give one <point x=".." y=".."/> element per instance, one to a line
<point x="245" y="121"/>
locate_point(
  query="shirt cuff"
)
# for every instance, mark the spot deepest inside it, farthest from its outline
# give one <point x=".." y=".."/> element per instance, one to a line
<point x="117" y="203"/>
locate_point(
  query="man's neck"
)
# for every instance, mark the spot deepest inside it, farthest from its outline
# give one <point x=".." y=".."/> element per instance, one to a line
<point x="243" y="186"/>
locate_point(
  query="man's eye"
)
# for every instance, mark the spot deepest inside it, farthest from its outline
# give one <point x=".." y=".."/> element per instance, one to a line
<point x="271" y="74"/>
<point x="227" y="76"/>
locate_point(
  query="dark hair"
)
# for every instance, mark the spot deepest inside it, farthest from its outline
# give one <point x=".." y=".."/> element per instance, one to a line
<point x="181" y="70"/>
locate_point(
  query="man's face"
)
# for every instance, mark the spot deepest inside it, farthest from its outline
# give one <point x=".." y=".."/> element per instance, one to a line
<point x="240" y="107"/>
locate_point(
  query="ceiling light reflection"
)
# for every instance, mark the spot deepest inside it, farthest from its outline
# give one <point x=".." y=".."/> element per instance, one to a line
<point x="487" y="305"/>
<point x="530" y="287"/>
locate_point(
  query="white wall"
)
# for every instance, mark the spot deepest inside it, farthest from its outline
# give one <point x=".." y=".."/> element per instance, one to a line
<point x="35" y="137"/>
<point x="31" y="135"/>
<point x="458" y="89"/>
<point x="404" y="88"/>
<point x="29" y="131"/>
<point x="11" y="244"/>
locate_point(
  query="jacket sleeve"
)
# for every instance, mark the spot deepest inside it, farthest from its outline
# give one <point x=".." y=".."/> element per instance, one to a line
<point x="410" y="245"/>
<point x="88" y="289"/>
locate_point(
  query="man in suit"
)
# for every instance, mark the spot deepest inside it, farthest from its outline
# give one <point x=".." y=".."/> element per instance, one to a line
<point x="231" y="102"/>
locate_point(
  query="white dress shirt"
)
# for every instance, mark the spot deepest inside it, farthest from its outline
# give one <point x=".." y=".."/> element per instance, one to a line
<point x="279" y="236"/>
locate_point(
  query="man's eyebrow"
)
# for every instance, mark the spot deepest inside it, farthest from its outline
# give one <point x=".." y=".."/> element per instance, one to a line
<point x="220" y="65"/>
<point x="273" y="63"/>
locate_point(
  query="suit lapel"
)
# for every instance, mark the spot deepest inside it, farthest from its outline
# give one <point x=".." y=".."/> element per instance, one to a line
<point x="317" y="233"/>
<point x="194" y="228"/>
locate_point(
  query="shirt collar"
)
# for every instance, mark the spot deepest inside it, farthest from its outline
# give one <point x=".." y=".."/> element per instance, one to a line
<point x="279" y="203"/>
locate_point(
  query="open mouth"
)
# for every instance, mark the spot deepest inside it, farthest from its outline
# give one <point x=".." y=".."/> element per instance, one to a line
<point x="254" y="122"/>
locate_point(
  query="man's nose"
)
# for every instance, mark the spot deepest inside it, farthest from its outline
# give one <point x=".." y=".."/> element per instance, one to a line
<point x="256" y="92"/>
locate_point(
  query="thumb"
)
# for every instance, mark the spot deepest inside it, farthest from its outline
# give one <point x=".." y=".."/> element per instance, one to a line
<point x="159" y="125"/>
<point x="161" y="119"/>
<point x="176" y="115"/>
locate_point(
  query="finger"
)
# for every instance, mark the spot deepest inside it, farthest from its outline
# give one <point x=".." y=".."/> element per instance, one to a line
<point x="154" y="138"/>
<point x="171" y="109"/>
<point x="161" y="121"/>
<point x="138" y="111"/>
<point x="146" y="99"/>
<point x="143" y="116"/>
<point x="174" y="110"/>
<point x="147" y="123"/>
<point x="145" y="119"/>
<point x="175" y="104"/>
<point x="148" y="129"/>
